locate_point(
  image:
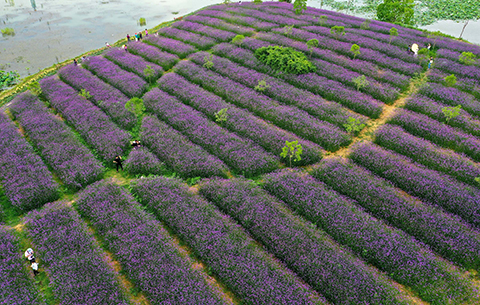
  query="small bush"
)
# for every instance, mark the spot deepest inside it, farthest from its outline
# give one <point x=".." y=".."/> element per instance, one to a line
<point x="8" y="31"/>
<point x="142" y="21"/>
<point x="285" y="59"/>
<point x="238" y="40"/>
<point x="337" y="30"/>
<point x="467" y="58"/>
<point x="450" y="80"/>
<point x="8" y="79"/>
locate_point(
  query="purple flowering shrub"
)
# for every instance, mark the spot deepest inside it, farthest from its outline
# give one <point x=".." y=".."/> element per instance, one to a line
<point x="180" y="154"/>
<point x="16" y="286"/>
<point x="142" y="162"/>
<point x="428" y="154"/>
<point x="103" y="95"/>
<point x="286" y="117"/>
<point x="153" y="54"/>
<point x="228" y="251"/>
<point x="456" y="68"/>
<point x="134" y="63"/>
<point x="127" y="82"/>
<point x="455" y="197"/>
<point x="199" y="41"/>
<point x="241" y="20"/>
<point x="74" y="262"/>
<point x="24" y="177"/>
<point x="447" y="234"/>
<point x="465" y="84"/>
<point x="170" y="45"/>
<point x="238" y="153"/>
<point x="220" y="24"/>
<point x="71" y="160"/>
<point x="406" y="260"/>
<point x="334" y="273"/>
<point x="216" y="34"/>
<point x="143" y="247"/>
<point x="270" y="137"/>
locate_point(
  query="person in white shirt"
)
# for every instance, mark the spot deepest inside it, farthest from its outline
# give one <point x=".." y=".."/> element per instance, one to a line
<point x="35" y="269"/>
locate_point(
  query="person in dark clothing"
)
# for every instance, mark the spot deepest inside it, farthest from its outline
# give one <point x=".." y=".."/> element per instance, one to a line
<point x="118" y="161"/>
<point x="128" y="37"/>
<point x="136" y="144"/>
<point x="140" y="36"/>
<point x="75" y="62"/>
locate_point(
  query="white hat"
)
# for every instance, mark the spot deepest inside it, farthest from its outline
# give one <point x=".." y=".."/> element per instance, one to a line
<point x="28" y="252"/>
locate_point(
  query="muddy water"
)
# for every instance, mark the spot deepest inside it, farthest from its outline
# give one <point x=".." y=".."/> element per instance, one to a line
<point x="51" y="31"/>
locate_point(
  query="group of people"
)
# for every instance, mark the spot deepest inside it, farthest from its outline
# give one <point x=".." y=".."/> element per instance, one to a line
<point x="413" y="49"/>
<point x="118" y="159"/>
<point x="31" y="259"/>
<point x="138" y="36"/>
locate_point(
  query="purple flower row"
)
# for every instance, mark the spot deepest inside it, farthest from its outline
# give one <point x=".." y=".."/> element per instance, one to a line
<point x="142" y="162"/>
<point x="93" y="125"/>
<point x="364" y="67"/>
<point x="238" y="153"/>
<point x="452" y="97"/>
<point x="242" y="20"/>
<point x="220" y="24"/>
<point x="456" y="68"/>
<point x="23" y="175"/>
<point x="424" y="152"/>
<point x="153" y="54"/>
<point x="446" y="234"/>
<point x="199" y="41"/>
<point x="407" y="261"/>
<point x="143" y="247"/>
<point x="133" y="63"/>
<point x="465" y="84"/>
<point x="184" y="157"/>
<point x="216" y="34"/>
<point x="127" y="82"/>
<point x="170" y="45"/>
<point x="258" y="14"/>
<point x="344" y="48"/>
<point x="106" y="97"/>
<point x="278" y="89"/>
<point x="270" y="137"/>
<point x="227" y="250"/>
<point x="440" y="134"/>
<point x="74" y="262"/>
<point x="286" y="117"/>
<point x="71" y="160"/>
<point x="16" y="287"/>
<point x="455" y="197"/>
<point x="335" y="273"/>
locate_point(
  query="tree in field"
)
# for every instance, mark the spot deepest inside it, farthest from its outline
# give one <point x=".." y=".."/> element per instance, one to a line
<point x="366" y="24"/>
<point x="208" y="63"/>
<point x="360" y="82"/>
<point x="288" y="29"/>
<point x="35" y="88"/>
<point x="299" y="6"/>
<point x="149" y="73"/>
<point x="238" y="40"/>
<point x="393" y="33"/>
<point x="396" y="11"/>
<point x="257" y="1"/>
<point x="355" y="49"/>
<point x="312" y="43"/>
<point x="85" y="94"/>
<point x="451" y="112"/>
<point x="136" y="106"/>
<point x="450" y="80"/>
<point x="292" y="150"/>
<point x="262" y="85"/>
<point x="221" y="116"/>
<point x="337" y="30"/>
<point x="322" y="19"/>
<point x="353" y="125"/>
<point x="467" y="58"/>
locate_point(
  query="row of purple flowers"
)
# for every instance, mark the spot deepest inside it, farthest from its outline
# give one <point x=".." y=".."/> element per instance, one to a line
<point x="71" y="257"/>
<point x="219" y="35"/>
<point x="135" y="64"/>
<point x="70" y="159"/>
<point x="140" y="161"/>
<point x="242" y="20"/>
<point x="23" y="175"/>
<point x="199" y="41"/>
<point x="406" y="260"/>
<point x="465" y="84"/>
<point x="226" y="249"/>
<point x="170" y="45"/>
<point x="143" y="247"/>
<point x="153" y="54"/>
<point x="220" y="24"/>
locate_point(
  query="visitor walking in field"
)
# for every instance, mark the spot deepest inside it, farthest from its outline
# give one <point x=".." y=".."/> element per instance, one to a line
<point x="118" y="161"/>
<point x="35" y="269"/>
<point x="430" y="62"/>
<point x="128" y="38"/>
<point x="146" y="33"/>
<point x="28" y="253"/>
<point x="140" y="36"/>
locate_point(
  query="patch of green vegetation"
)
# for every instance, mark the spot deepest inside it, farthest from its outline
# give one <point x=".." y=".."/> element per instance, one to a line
<point x="8" y="31"/>
<point x="8" y="79"/>
<point x="285" y="59"/>
<point x="142" y="21"/>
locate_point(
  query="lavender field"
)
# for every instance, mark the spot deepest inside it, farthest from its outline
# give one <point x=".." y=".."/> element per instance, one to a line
<point x="352" y="177"/>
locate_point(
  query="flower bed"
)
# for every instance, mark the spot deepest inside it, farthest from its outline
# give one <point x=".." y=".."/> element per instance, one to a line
<point x="142" y="162"/>
<point x="153" y="54"/>
<point x="135" y="64"/>
<point x="197" y="40"/>
<point x="220" y="24"/>
<point x="216" y="34"/>
<point x="170" y="45"/>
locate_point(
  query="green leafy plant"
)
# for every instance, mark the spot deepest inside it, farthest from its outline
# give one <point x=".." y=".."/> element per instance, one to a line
<point x="312" y="43"/>
<point x="477" y="179"/>
<point x="353" y="125"/>
<point x="8" y="31"/>
<point x="467" y="58"/>
<point x="285" y="59"/>
<point x="360" y="82"/>
<point x="355" y="49"/>
<point x="287" y="30"/>
<point x="136" y="106"/>
<point x="365" y="24"/>
<point x="8" y="79"/>
<point x="396" y="11"/>
<point x="35" y="88"/>
<point x="221" y="116"/>
<point x="337" y="30"/>
<point x="257" y="1"/>
<point x="450" y="80"/>
<point x="393" y="33"/>
<point x="193" y="180"/>
<point x="262" y="85"/>
<point x="238" y="40"/>
<point x="451" y="112"/>
<point x="322" y="19"/>
<point x="292" y="150"/>
<point x="85" y="94"/>
<point x="142" y="21"/>
<point x="208" y="63"/>
<point x="299" y="6"/>
<point x="149" y="73"/>
<point x="227" y="2"/>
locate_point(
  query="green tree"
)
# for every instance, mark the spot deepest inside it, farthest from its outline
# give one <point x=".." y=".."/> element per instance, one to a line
<point x="337" y="30"/>
<point x="355" y="49"/>
<point x="322" y="19"/>
<point x="312" y="43"/>
<point x="360" y="82"/>
<point x="477" y="180"/>
<point x="8" y="79"/>
<point x="299" y="6"/>
<point x="221" y="116"/>
<point x="288" y="29"/>
<point x="393" y="33"/>
<point x="365" y="24"/>
<point x="467" y="58"/>
<point x="353" y="125"/>
<point x="149" y="73"/>
<point x="292" y="150"/>
<point x="238" y="40"/>
<point x="257" y="1"/>
<point x="451" y="112"/>
<point x="450" y="80"/>
<point x="262" y="85"/>
<point x="85" y="94"/>
<point x="396" y="11"/>
<point x="208" y="63"/>
<point x="136" y="106"/>
<point x="35" y="88"/>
